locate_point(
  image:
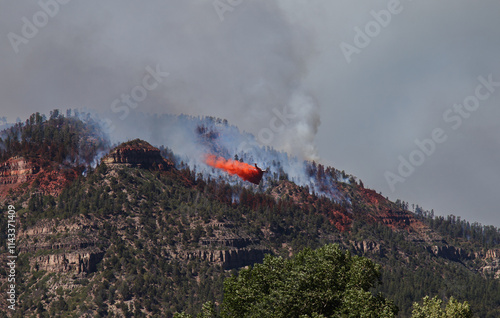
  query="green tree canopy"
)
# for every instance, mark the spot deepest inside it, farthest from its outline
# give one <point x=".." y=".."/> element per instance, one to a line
<point x="326" y="282"/>
<point x="433" y="308"/>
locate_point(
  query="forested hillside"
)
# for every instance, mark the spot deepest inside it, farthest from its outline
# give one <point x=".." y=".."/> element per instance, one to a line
<point x="141" y="235"/>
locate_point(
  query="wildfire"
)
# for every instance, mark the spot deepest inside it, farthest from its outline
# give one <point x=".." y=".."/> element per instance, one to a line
<point x="234" y="167"/>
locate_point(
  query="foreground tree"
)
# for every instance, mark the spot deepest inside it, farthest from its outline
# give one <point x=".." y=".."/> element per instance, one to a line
<point x="433" y="308"/>
<point x="326" y="282"/>
<point x="207" y="311"/>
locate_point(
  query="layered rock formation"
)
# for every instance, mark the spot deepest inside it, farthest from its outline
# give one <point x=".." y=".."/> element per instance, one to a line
<point x="44" y="176"/>
<point x="78" y="262"/>
<point x="228" y="259"/>
<point x="137" y="153"/>
<point x="17" y="170"/>
<point x="14" y="172"/>
<point x="62" y="247"/>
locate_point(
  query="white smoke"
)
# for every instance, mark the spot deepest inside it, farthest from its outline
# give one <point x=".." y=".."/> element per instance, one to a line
<point x="298" y="138"/>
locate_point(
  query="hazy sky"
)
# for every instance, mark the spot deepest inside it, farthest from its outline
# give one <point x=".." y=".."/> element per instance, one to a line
<point x="351" y="83"/>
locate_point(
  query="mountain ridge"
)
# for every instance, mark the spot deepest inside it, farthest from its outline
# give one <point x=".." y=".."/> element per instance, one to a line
<point x="131" y="222"/>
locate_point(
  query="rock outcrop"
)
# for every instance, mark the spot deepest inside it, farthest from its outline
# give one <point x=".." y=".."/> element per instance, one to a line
<point x="47" y="177"/>
<point x="228" y="259"/>
<point x="231" y="242"/>
<point x="450" y="252"/>
<point x="14" y="172"/>
<point x="137" y="153"/>
<point x="78" y="262"/>
<point x="17" y="170"/>
<point x="363" y="247"/>
<point x="62" y="247"/>
<point x="71" y="243"/>
<point x="492" y="260"/>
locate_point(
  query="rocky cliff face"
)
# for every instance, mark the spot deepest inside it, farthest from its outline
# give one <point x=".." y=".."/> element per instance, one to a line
<point x="493" y="269"/>
<point x="65" y="248"/>
<point x="492" y="260"/>
<point x="17" y="170"/>
<point x="450" y="252"/>
<point x="228" y="259"/>
<point x="137" y="153"/>
<point x="368" y="247"/>
<point x="70" y="247"/>
<point x="14" y="172"/>
<point x="79" y="262"/>
<point x="489" y="259"/>
<point x="230" y="252"/>
<point x="43" y="176"/>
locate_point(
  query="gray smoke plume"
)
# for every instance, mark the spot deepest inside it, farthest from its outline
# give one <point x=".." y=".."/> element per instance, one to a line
<point x="128" y="62"/>
<point x="237" y="62"/>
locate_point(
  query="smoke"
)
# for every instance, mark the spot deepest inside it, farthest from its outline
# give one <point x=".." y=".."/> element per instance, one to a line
<point x="241" y="68"/>
<point x="235" y="167"/>
<point x="244" y="69"/>
<point x="299" y="136"/>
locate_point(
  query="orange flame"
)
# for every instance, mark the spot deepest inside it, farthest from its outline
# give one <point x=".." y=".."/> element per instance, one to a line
<point x="234" y="167"/>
